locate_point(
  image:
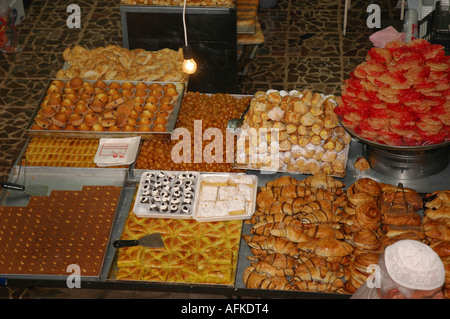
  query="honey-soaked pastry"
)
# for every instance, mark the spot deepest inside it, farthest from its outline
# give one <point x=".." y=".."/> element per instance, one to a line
<point x="361" y="164"/>
<point x="193" y="252"/>
<point x="377" y="78"/>
<point x="62" y="152"/>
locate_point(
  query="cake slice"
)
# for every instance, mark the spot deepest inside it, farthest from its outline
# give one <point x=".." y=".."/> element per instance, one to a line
<point x="237" y="205"/>
<point x="208" y="193"/>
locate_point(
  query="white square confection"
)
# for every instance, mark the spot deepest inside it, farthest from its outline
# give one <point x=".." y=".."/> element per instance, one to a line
<point x="221" y="208"/>
<point x="208" y="193"/>
<point x="236" y="205"/>
<point x="226" y="192"/>
<point x="247" y="191"/>
<point x="205" y="209"/>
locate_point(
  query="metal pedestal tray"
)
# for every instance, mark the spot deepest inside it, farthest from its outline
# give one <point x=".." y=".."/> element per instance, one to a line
<point x="404" y="162"/>
<point x="70" y="178"/>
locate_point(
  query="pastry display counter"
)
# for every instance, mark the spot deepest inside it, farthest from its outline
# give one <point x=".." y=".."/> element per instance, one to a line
<point x="307" y="229"/>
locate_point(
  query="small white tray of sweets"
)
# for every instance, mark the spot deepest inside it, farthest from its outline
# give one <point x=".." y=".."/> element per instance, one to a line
<point x="225" y="197"/>
<point x="188" y="194"/>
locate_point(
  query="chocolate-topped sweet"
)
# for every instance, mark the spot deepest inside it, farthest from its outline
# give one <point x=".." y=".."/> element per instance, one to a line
<point x="185" y="209"/>
<point x="164" y="208"/>
<point x="146" y="192"/>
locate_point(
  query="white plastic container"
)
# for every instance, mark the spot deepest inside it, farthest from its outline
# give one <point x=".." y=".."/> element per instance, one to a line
<point x="214" y="214"/>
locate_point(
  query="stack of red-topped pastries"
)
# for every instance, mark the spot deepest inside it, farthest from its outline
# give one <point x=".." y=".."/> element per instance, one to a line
<point x="400" y="95"/>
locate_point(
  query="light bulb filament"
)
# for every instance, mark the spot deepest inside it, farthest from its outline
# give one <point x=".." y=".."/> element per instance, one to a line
<point x="189" y="66"/>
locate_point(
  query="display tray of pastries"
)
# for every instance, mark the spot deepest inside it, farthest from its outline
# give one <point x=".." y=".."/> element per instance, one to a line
<point x="198" y="113"/>
<point x="60" y="152"/>
<point x="91" y="109"/>
<point x="189" y="3"/>
<point x="193" y="252"/>
<point x="52" y="232"/>
<point x="320" y="235"/>
<point x="296" y="132"/>
<point x="296" y="238"/>
<point x="120" y="64"/>
<point x="399" y="96"/>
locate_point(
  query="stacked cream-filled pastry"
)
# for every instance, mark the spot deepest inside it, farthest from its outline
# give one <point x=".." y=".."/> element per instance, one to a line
<point x="226" y="195"/>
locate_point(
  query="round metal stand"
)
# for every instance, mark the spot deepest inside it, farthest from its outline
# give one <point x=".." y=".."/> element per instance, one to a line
<point x="407" y="163"/>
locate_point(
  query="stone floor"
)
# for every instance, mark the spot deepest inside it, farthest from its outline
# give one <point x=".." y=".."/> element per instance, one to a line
<point x="304" y="48"/>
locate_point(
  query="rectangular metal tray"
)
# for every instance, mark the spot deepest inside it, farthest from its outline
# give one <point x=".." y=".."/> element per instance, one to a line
<point x="171" y="121"/>
<point x="71" y="179"/>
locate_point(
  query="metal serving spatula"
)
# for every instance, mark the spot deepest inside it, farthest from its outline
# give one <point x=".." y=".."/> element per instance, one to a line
<point x="153" y="241"/>
<point x="32" y="190"/>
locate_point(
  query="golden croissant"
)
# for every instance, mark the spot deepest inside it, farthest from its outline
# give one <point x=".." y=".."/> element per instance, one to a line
<point x="336" y="286"/>
<point x="280" y="261"/>
<point x="293" y="233"/>
<point x="320" y="216"/>
<point x="265" y="268"/>
<point x="255" y="280"/>
<point x="326" y="247"/>
<point x="262" y="245"/>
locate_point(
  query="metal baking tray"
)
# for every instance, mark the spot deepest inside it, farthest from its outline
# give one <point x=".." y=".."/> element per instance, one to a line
<point x="70" y="179"/>
<point x="171" y="121"/>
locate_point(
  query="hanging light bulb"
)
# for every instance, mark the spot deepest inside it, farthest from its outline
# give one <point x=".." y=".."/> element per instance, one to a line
<point x="189" y="65"/>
